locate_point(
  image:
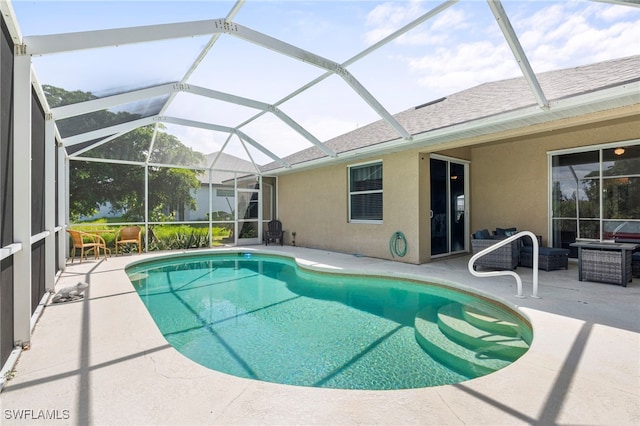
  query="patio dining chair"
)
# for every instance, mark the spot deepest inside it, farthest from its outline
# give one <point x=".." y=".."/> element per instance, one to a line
<point x="129" y="235"/>
<point x="86" y="242"/>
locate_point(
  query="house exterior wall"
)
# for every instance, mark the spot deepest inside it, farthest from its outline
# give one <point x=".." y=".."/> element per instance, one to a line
<point x="223" y="204"/>
<point x="508" y="187"/>
<point x="314" y="204"/>
<point x="509" y="180"/>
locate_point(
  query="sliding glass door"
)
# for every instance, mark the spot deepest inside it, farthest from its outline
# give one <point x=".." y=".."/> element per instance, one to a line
<point x="249" y="220"/>
<point x="595" y="195"/>
<point x="448" y="206"/>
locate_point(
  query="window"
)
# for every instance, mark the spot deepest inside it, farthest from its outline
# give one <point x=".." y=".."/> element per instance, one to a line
<point x="596" y="195"/>
<point x="225" y="193"/>
<point x="365" y="193"/>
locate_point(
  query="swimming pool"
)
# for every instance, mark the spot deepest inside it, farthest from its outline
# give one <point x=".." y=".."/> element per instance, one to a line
<point x="263" y="317"/>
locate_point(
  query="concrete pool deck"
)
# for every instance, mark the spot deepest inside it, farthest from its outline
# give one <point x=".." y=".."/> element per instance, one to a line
<point x="102" y="361"/>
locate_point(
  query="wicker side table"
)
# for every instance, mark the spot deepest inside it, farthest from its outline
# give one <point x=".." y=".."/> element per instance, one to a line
<point x="605" y="262"/>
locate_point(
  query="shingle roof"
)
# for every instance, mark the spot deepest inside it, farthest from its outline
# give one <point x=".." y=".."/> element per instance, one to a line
<point x="485" y="100"/>
<point x="225" y="162"/>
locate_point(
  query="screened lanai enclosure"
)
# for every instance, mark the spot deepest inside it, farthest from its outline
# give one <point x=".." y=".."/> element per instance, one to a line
<point x="183" y="117"/>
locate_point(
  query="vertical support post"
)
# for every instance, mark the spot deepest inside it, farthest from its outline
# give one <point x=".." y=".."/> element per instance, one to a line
<point x="260" y="215"/>
<point x="210" y="207"/>
<point x="67" y="199"/>
<point x="63" y="204"/>
<point x="50" y="202"/>
<point x="146" y="208"/>
<point x="22" y="199"/>
<point x="235" y="215"/>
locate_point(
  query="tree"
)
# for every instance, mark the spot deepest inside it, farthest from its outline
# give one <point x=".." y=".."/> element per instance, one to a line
<point x="620" y="188"/>
<point x="92" y="184"/>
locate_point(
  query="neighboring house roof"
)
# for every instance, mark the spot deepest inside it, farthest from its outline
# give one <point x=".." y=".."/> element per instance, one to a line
<point x="511" y="102"/>
<point x="224" y="166"/>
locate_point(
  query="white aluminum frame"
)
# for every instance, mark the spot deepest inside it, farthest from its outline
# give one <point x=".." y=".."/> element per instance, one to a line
<point x="467" y="209"/>
<point x="349" y="193"/>
<point x="590" y="148"/>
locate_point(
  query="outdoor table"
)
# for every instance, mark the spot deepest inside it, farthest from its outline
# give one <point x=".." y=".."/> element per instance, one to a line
<point x="605" y="262"/>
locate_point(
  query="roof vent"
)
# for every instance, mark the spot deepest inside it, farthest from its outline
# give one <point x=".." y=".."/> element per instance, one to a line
<point x="430" y="103"/>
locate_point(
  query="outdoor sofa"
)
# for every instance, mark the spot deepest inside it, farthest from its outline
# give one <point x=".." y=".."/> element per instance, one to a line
<point x="518" y="253"/>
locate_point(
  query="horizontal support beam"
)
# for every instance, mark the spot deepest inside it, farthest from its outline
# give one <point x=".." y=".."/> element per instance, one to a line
<point x="225" y="129"/>
<point x="107" y="102"/>
<point x="107" y="131"/>
<point x="41" y="45"/>
<point x="10" y="250"/>
<point x="67" y="42"/>
<point x="166" y="89"/>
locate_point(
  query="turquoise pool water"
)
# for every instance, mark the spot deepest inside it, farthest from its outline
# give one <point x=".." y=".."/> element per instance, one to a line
<point x="262" y="317"/>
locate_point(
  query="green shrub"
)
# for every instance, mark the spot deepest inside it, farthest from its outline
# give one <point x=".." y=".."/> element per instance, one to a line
<point x="163" y="237"/>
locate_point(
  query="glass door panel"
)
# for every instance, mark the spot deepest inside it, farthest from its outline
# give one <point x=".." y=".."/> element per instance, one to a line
<point x="458" y="206"/>
<point x="448" y="207"/>
<point x="439" y="197"/>
<point x="248" y="216"/>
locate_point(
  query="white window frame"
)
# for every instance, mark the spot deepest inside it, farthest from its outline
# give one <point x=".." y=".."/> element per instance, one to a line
<point x="588" y="148"/>
<point x="350" y="193"/>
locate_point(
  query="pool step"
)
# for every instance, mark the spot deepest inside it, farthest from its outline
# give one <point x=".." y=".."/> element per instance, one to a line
<point x="488" y="319"/>
<point x="453" y="324"/>
<point x="447" y="336"/>
<point x="496" y="321"/>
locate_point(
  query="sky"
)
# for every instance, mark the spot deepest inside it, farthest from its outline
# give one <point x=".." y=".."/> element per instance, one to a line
<point x="459" y="48"/>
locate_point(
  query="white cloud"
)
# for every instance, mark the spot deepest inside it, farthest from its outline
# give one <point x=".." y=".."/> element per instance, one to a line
<point x="561" y="35"/>
<point x="466" y="65"/>
<point x="388" y="17"/>
<point x="450" y="20"/>
<point x="442" y="30"/>
<point x="570" y="34"/>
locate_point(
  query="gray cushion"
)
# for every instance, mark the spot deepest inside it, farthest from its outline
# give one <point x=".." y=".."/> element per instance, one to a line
<point x="506" y="232"/>
<point x="483" y="234"/>
<point x="546" y="251"/>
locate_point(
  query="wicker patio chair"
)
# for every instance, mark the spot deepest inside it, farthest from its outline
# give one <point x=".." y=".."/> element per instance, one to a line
<point x="129" y="235"/>
<point x="506" y="257"/>
<point x="86" y="242"/>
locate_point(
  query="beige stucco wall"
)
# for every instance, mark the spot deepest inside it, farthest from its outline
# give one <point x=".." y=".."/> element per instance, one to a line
<point x="509" y="180"/>
<point x="314" y="204"/>
<point x="508" y="187"/>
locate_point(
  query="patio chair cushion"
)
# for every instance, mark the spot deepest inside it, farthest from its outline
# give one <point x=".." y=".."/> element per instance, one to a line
<point x="505" y="232"/>
<point x="483" y="234"/>
<point x="545" y="251"/>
